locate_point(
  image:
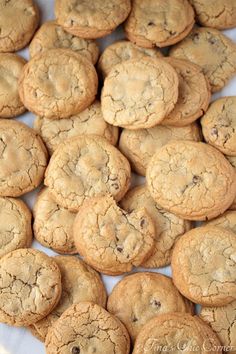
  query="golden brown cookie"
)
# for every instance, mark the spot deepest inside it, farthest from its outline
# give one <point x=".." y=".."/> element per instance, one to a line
<point x="111" y="240"/>
<point x="86" y="166"/>
<point x="139" y="93"/>
<point x="191" y="179"/>
<point x="226" y="221"/>
<point x="58" y="83"/>
<point x="232" y="160"/>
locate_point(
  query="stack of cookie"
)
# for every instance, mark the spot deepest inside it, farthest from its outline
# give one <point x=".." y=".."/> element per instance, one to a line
<point x="152" y="117"/>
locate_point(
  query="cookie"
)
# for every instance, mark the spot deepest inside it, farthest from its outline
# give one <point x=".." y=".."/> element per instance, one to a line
<point x="51" y="35"/>
<point x="90" y="121"/>
<point x="18" y="21"/>
<point x="58" y="83"/>
<point x="79" y="283"/>
<point x="121" y="51"/>
<point x="194" y="94"/>
<point x="87" y="327"/>
<point x="223" y="322"/>
<point x="23" y="158"/>
<point x="212" y="51"/>
<point x="139" y="297"/>
<point x="168" y="227"/>
<point x="215" y="13"/>
<point x="91" y="19"/>
<point x="86" y="166"/>
<point x="30" y="287"/>
<point x="203" y="265"/>
<point x="232" y="160"/>
<point x="139" y="93"/>
<point x="219" y="125"/>
<point x="111" y="240"/>
<point x="159" y="22"/>
<point x="177" y="332"/>
<point x="191" y="179"/>
<point x="53" y="225"/>
<point x="226" y="221"/>
<point x="140" y="145"/>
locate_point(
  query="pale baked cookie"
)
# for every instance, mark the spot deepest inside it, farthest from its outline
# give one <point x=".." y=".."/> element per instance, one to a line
<point x="87" y="328"/>
<point x="11" y="66"/>
<point x="23" y="158"/>
<point x="53" y="225"/>
<point x="139" y="93"/>
<point x="203" y="265"/>
<point x="79" y="283"/>
<point x="58" y="83"/>
<point x="86" y="166"/>
<point x="30" y="286"/>
<point x="212" y="51"/>
<point x="18" y="22"/>
<point x="15" y="225"/>
<point x="89" y="18"/>
<point x="232" y="160"/>
<point x="215" y="13"/>
<point x="90" y="121"/>
<point x="177" y="333"/>
<point x="226" y="221"/>
<point x="191" y="179"/>
<point x="140" y="145"/>
<point x="159" y="22"/>
<point x="51" y="35"/>
<point x="121" y="51"/>
<point x="139" y="297"/>
<point x="168" y="227"/>
<point x="219" y="125"/>
<point x="111" y="240"/>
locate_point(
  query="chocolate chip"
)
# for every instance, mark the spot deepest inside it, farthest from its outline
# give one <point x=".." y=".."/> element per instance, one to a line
<point x="151" y="23"/>
<point x="115" y="185"/>
<point x="75" y="350"/>
<point x="119" y="248"/>
<point x="196" y="179"/>
<point x="156" y="303"/>
<point x="142" y="222"/>
<point x="134" y="319"/>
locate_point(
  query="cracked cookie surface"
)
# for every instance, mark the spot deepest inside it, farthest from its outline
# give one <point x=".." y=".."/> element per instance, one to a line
<point x="168" y="227"/>
<point x="232" y="160"/>
<point x="86" y="166"/>
<point x="23" y="158"/>
<point x="226" y="221"/>
<point x="90" y="121"/>
<point x="139" y="93"/>
<point x="212" y="51"/>
<point x="58" y="83"/>
<point x="87" y="328"/>
<point x="89" y="18"/>
<point x="204" y="267"/>
<point x="30" y="286"/>
<point x="111" y="240"/>
<point x="139" y="297"/>
<point x="191" y="179"/>
<point x="18" y="22"/>
<point x="157" y="22"/>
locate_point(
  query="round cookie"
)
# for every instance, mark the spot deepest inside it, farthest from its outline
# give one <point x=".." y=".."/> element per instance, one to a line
<point x="139" y="93"/>
<point x="168" y="227"/>
<point x="23" y="158"/>
<point x="51" y="35"/>
<point x="232" y="160"/>
<point x="194" y="93"/>
<point x="219" y="125"/>
<point x="90" y="121"/>
<point x="89" y="18"/>
<point x="58" y="83"/>
<point x="139" y="297"/>
<point x="53" y="225"/>
<point x="30" y="286"/>
<point x="111" y="240"/>
<point x="159" y="22"/>
<point x="177" y="333"/>
<point x="203" y="265"/>
<point x="191" y="179"/>
<point x="121" y="51"/>
<point x="18" y="22"/>
<point x="86" y="166"/>
<point x="212" y="51"/>
<point x="226" y="221"/>
<point x="79" y="283"/>
<point x="87" y="327"/>
<point x="140" y="145"/>
<point x="11" y="66"/>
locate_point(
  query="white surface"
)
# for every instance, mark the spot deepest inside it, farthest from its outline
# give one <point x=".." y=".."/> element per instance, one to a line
<point x="19" y="340"/>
